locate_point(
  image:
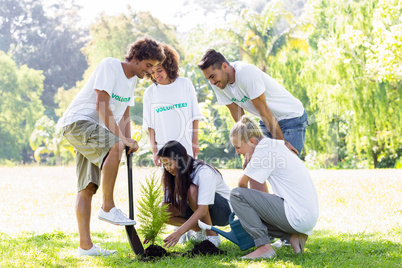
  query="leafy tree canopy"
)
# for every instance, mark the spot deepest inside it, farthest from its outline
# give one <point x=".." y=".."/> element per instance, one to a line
<point x="20" y="107"/>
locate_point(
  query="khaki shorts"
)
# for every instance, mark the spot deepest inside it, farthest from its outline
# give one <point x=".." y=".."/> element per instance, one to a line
<point x="92" y="144"/>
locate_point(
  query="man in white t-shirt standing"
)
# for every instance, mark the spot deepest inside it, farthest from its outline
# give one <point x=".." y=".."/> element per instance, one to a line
<point x="242" y="86"/>
<point x="97" y="125"/>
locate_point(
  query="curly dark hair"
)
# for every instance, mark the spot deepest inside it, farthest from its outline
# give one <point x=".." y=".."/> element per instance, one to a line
<point x="170" y="64"/>
<point x="145" y="48"/>
<point x="212" y="58"/>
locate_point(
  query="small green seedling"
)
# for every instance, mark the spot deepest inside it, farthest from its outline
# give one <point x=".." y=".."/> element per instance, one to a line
<point x="152" y="214"/>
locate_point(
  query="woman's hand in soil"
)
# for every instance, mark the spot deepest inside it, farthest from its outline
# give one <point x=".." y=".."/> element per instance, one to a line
<point x="172" y="239"/>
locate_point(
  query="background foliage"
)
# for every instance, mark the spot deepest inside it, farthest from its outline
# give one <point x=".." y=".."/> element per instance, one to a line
<point x="342" y="59"/>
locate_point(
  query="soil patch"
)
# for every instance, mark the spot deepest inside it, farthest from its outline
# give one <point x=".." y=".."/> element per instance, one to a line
<point x="206" y="247"/>
<point x="155" y="251"/>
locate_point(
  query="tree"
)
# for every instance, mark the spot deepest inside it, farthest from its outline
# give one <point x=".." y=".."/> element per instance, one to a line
<point x="11" y="13"/>
<point x="20" y="107"/>
<point x="46" y="39"/>
<point x="262" y="35"/>
<point x="345" y="75"/>
<point x="46" y="140"/>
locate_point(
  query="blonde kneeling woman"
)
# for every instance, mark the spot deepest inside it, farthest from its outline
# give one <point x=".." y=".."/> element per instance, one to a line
<point x="291" y="210"/>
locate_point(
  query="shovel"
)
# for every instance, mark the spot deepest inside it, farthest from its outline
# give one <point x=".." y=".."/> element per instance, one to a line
<point x="237" y="235"/>
<point x="132" y="235"/>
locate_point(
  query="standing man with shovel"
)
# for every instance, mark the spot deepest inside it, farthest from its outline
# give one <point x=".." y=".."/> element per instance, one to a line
<point x="97" y="125"/>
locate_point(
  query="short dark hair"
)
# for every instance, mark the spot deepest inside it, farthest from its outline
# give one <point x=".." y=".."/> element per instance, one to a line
<point x="212" y="58"/>
<point x="144" y="49"/>
<point x="170" y="64"/>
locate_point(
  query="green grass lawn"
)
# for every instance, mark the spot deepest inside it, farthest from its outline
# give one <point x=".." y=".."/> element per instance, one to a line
<point x="359" y="226"/>
<point x="324" y="249"/>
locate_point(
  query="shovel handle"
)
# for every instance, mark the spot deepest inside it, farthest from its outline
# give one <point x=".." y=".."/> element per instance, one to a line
<point x="130" y="183"/>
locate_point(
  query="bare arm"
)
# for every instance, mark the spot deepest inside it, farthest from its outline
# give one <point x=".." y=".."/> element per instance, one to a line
<point x="173" y="238"/>
<point x="154" y="148"/>
<point x="106" y="114"/>
<point x="269" y="120"/>
<point x="243" y="181"/>
<point x="196" y="148"/>
<point x="236" y="111"/>
<point x="125" y="123"/>
<point x="255" y="185"/>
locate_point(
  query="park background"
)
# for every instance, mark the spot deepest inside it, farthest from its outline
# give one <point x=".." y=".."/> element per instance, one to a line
<point x="342" y="59"/>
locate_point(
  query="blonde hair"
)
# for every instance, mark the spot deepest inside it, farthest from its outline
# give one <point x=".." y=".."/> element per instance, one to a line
<point x="246" y="129"/>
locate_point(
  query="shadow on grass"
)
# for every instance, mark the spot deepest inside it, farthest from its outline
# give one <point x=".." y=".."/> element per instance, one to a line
<point x="323" y="249"/>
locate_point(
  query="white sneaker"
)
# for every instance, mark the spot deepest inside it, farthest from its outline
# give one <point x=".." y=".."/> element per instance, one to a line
<point x="95" y="251"/>
<point x="216" y="240"/>
<point x="115" y="216"/>
<point x="198" y="236"/>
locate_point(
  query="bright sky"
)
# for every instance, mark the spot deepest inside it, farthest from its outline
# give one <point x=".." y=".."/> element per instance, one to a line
<point x="164" y="10"/>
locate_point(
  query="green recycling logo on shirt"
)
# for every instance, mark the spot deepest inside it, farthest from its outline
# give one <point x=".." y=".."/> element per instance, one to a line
<point x="171" y="107"/>
<point x="121" y="99"/>
<point x="243" y="100"/>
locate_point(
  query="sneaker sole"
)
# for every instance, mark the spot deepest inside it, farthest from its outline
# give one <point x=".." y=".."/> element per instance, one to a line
<point x="117" y="223"/>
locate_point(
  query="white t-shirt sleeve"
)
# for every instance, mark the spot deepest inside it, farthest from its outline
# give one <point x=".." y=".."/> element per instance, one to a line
<point x="251" y="81"/>
<point x="105" y="77"/>
<point x="221" y="97"/>
<point x="146" y="110"/>
<point x="260" y="166"/>
<point x="206" y="185"/>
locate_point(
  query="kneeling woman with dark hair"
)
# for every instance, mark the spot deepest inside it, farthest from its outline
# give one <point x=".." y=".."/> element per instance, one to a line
<point x="194" y="190"/>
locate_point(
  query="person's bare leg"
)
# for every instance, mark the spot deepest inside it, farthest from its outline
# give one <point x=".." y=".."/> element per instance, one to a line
<point x="175" y="218"/>
<point x="255" y="185"/>
<point x="83" y="213"/>
<point x="109" y="174"/>
<point x="192" y="198"/>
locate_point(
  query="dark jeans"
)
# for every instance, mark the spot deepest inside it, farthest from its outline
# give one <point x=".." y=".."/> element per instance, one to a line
<point x="293" y="129"/>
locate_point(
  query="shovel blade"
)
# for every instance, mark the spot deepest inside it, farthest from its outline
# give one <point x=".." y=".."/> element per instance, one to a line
<point x="134" y="240"/>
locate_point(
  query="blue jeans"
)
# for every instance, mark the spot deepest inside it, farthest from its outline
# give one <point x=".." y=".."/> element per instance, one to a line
<point x="219" y="211"/>
<point x="293" y="129"/>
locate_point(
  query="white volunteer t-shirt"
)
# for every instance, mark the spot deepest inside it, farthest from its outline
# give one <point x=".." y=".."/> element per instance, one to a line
<point x="289" y="179"/>
<point x="209" y="182"/>
<point x="170" y="110"/>
<point x="109" y="77"/>
<point x="250" y="83"/>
